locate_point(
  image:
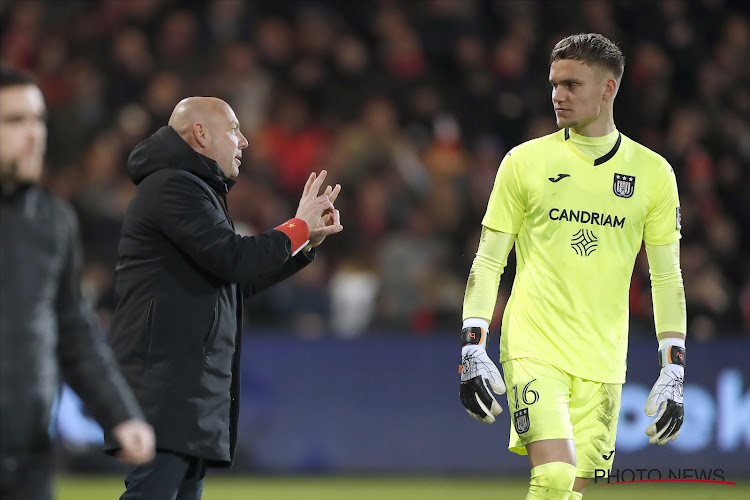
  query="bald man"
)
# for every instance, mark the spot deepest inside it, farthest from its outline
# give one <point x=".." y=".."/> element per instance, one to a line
<point x="182" y="275"/>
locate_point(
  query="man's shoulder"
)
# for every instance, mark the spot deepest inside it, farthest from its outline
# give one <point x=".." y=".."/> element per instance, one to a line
<point x="53" y="206"/>
<point x="173" y="178"/>
<point x="644" y="155"/>
<point x="538" y="145"/>
<point x="166" y="174"/>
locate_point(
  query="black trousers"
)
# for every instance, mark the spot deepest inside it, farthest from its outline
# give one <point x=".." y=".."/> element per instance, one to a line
<point x="169" y="476"/>
<point x="29" y="478"/>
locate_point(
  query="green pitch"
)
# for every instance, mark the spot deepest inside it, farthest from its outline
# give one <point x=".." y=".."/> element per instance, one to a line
<point x="396" y="488"/>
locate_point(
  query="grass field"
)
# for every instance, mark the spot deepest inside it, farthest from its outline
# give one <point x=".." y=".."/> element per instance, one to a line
<point x="407" y="488"/>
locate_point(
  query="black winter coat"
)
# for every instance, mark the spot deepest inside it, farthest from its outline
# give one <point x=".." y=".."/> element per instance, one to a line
<point x="180" y="281"/>
<point x="45" y="329"/>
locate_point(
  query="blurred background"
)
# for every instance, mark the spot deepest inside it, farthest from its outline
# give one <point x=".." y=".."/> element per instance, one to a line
<point x="410" y="106"/>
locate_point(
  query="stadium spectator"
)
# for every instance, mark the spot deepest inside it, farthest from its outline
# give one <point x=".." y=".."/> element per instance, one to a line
<point x="46" y="331"/>
<point x="475" y="60"/>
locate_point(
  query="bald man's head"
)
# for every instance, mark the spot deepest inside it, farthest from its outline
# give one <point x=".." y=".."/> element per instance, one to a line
<point x="210" y="127"/>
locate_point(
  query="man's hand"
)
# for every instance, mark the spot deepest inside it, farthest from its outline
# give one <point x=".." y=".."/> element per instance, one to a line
<point x="479" y="378"/>
<point x="330" y="222"/>
<point x="137" y="440"/>
<point x="312" y="207"/>
<point x="666" y="397"/>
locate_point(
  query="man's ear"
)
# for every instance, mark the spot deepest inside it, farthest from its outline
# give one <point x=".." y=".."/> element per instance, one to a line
<point x="201" y="135"/>
<point x="610" y="89"/>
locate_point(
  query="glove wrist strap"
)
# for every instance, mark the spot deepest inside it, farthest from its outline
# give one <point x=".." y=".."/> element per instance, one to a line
<point x="473" y="335"/>
<point x="672" y="355"/>
<point x="474" y="332"/>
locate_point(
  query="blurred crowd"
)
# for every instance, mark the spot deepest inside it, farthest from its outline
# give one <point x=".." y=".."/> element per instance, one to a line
<point x="410" y="106"/>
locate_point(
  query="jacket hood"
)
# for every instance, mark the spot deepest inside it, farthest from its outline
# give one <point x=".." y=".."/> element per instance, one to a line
<point x="166" y="149"/>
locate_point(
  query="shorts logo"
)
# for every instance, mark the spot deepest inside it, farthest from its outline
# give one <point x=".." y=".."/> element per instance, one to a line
<point x="521" y="419"/>
<point x="623" y="185"/>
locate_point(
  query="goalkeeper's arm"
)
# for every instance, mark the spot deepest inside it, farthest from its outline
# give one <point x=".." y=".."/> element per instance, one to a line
<point x="479" y="375"/>
<point x="670" y="318"/>
<point x="484" y="277"/>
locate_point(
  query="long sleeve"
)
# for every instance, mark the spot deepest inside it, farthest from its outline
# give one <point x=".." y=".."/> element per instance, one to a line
<point x="484" y="277"/>
<point x="191" y="222"/>
<point x="291" y="266"/>
<point x="85" y="360"/>
<point x="667" y="290"/>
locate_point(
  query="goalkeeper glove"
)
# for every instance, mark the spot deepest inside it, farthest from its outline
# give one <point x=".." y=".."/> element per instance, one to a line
<point x="478" y="375"/>
<point x="666" y="396"/>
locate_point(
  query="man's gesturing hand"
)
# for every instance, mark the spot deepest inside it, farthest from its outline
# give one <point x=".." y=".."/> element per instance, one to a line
<point x="137" y="440"/>
<point x="479" y="377"/>
<point x="666" y="396"/>
<point x="312" y="208"/>
<point x="330" y="222"/>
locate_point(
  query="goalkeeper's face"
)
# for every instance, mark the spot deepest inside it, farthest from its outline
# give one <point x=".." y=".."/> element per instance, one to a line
<point x="580" y="93"/>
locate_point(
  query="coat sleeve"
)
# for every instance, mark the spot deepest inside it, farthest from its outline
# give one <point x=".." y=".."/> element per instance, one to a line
<point x="86" y="362"/>
<point x="290" y="267"/>
<point x="189" y="219"/>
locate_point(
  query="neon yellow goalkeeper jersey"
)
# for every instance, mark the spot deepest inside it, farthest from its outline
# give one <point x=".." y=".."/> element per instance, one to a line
<point x="579" y="224"/>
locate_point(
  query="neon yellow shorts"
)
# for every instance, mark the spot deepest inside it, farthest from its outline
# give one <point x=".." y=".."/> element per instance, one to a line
<point x="548" y="403"/>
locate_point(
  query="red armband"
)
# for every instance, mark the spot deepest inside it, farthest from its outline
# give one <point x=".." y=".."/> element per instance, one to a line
<point x="298" y="233"/>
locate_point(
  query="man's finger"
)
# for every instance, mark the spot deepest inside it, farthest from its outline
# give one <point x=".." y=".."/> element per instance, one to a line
<point x="145" y="444"/>
<point x="655" y="433"/>
<point x="658" y="428"/>
<point x="332" y="218"/>
<point x="317" y="182"/>
<point x="476" y="398"/>
<point x="123" y="456"/>
<point x="653" y="406"/>
<point x="309" y="182"/>
<point x="136" y="454"/>
<point x="326" y="201"/>
<point x="487" y="399"/>
<point x="474" y="416"/>
<point x="128" y="453"/>
<point x="328" y="230"/>
<point x="335" y="193"/>
<point x="488" y="416"/>
<point x="498" y="387"/>
<point x="669" y="431"/>
<point x="469" y="400"/>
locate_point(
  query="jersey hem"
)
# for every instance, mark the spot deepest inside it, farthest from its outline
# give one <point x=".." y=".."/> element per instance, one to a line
<point x="566" y="369"/>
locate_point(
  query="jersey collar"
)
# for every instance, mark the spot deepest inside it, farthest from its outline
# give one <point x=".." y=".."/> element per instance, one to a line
<point x="601" y="159"/>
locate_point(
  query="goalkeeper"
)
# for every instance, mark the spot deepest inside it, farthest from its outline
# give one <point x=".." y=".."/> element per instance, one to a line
<point x="577" y="204"/>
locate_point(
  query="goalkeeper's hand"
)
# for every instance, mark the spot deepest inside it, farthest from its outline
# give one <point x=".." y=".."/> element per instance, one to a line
<point x="479" y="377"/>
<point x="665" y="399"/>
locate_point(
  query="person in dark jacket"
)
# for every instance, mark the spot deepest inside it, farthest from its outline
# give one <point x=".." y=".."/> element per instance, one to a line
<point x="180" y="281"/>
<point x="45" y="330"/>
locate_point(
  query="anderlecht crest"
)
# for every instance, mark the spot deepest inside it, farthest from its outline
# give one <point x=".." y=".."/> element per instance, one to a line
<point x="623" y="185"/>
<point x="521" y="418"/>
